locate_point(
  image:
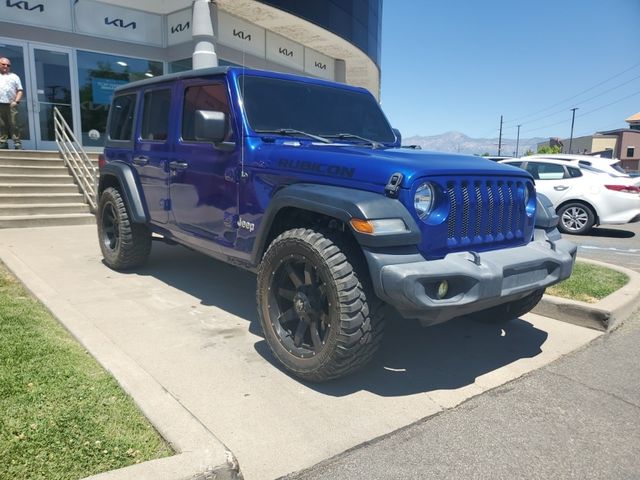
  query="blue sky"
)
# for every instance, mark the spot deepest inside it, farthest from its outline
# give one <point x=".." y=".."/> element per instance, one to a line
<point x="460" y="64"/>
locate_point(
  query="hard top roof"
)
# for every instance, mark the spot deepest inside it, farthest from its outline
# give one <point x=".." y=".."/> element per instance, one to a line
<point x="203" y="72"/>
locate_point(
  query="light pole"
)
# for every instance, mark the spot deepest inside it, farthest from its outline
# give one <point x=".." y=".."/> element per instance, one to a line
<point x="573" y="117"/>
<point x="500" y="138"/>
<point x="518" y="140"/>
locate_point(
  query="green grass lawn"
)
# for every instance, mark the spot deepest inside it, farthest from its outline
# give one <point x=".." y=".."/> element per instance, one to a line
<point x="589" y="283"/>
<point x="61" y="415"/>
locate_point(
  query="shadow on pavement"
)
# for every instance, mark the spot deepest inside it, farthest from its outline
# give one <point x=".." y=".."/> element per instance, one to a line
<point x="213" y="282"/>
<point x="411" y="359"/>
<point x="600" y="232"/>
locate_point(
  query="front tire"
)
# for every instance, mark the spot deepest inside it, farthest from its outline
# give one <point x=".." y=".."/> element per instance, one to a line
<point x="316" y="315"/>
<point x="124" y="244"/>
<point x="575" y="218"/>
<point x="505" y="313"/>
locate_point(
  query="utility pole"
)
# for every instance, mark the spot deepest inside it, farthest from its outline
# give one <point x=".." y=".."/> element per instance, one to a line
<point x="500" y="138"/>
<point x="518" y="140"/>
<point x="573" y="117"/>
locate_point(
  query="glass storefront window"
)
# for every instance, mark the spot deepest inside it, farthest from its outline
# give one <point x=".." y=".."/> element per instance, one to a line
<point x="99" y="75"/>
<point x="180" y="65"/>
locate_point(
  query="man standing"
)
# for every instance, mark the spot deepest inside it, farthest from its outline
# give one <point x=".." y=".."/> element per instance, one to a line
<point x="10" y="96"/>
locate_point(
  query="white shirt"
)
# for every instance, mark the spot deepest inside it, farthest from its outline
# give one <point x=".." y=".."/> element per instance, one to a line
<point x="9" y="86"/>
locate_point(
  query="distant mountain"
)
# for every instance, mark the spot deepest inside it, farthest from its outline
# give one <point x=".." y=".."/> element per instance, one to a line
<point x="457" y="142"/>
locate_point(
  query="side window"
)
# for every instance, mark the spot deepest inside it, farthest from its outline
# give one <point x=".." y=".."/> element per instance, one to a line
<point x="204" y="97"/>
<point x="532" y="168"/>
<point x="121" y="117"/>
<point x="550" y="171"/>
<point x="574" y="172"/>
<point x="155" y="115"/>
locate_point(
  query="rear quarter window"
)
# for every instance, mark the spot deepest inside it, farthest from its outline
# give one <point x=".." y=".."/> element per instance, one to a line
<point x="121" y="117"/>
<point x="155" y="115"/>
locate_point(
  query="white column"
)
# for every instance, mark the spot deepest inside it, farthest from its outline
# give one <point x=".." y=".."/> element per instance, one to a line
<point x="204" y="53"/>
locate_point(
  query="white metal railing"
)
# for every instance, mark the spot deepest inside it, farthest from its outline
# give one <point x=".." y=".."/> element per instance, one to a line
<point x="76" y="159"/>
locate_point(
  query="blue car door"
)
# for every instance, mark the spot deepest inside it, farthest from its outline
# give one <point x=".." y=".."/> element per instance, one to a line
<point x="153" y="150"/>
<point x="203" y="181"/>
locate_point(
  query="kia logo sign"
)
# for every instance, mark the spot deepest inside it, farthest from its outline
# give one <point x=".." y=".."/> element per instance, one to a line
<point x="285" y="52"/>
<point x="22" y="5"/>
<point x="321" y="66"/>
<point x="118" y="22"/>
<point x="240" y="34"/>
<point x="181" y="27"/>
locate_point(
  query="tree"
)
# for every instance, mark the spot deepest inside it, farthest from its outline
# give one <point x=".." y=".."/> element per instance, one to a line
<point x="547" y="149"/>
<point x="529" y="152"/>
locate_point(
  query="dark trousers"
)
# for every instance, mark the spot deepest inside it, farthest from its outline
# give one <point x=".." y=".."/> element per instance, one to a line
<point x="9" y="125"/>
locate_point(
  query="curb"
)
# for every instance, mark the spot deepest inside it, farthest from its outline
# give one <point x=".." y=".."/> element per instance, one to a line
<point x="604" y="315"/>
<point x="200" y="455"/>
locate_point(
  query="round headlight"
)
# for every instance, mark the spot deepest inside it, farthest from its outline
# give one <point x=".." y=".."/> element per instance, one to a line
<point x="423" y="200"/>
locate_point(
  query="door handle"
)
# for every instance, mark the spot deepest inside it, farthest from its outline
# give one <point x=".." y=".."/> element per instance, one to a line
<point x="141" y="160"/>
<point x="560" y="188"/>
<point x="175" y="165"/>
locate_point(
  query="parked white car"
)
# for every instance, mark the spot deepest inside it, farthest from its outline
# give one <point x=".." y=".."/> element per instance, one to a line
<point x="607" y="165"/>
<point x="583" y="195"/>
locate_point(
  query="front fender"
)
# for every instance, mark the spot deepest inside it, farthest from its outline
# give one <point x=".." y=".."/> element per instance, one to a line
<point x="343" y="204"/>
<point x="129" y="187"/>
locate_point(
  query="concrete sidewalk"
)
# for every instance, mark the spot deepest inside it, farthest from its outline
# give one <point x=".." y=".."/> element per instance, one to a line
<point x="181" y="336"/>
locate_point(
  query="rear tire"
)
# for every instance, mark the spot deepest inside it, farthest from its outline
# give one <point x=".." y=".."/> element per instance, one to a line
<point x="575" y="218"/>
<point x="508" y="311"/>
<point x="124" y="244"/>
<point x="317" y="316"/>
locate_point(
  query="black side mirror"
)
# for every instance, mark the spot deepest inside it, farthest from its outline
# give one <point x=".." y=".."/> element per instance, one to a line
<point x="210" y="126"/>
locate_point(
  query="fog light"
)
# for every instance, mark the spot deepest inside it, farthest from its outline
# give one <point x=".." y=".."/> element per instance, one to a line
<point x="443" y="289"/>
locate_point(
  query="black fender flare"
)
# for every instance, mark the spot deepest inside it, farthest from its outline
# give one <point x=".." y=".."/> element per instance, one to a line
<point x="130" y="188"/>
<point x="343" y="204"/>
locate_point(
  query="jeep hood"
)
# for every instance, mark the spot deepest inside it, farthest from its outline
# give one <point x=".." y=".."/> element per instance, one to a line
<point x="375" y="166"/>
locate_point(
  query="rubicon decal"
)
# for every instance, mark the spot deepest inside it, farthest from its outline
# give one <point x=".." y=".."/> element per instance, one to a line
<point x="315" y="167"/>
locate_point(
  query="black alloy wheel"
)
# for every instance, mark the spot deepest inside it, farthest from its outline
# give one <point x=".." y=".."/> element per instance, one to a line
<point x="313" y="308"/>
<point x="124" y="244"/>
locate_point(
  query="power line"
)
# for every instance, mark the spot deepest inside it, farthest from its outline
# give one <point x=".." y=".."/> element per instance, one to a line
<point x="609" y="126"/>
<point x="583" y="114"/>
<point x="609" y="104"/>
<point x="580" y="102"/>
<point x="575" y="96"/>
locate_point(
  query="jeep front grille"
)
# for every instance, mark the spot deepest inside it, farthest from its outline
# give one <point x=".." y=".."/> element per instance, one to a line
<point x="484" y="211"/>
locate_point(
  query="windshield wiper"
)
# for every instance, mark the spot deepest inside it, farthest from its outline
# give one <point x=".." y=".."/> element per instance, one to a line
<point x="345" y="136"/>
<point x="291" y="131"/>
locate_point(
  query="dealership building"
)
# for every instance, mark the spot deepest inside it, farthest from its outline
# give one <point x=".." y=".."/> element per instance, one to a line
<point x="72" y="54"/>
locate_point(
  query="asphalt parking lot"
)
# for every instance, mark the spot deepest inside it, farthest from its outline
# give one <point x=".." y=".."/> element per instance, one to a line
<point x="616" y="244"/>
<point x="189" y="322"/>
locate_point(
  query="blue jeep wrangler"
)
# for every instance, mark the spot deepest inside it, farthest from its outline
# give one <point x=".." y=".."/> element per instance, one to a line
<point x="304" y="182"/>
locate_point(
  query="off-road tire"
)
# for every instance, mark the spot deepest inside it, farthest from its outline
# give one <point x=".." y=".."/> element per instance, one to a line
<point x="575" y="218"/>
<point x="316" y="307"/>
<point x="509" y="311"/>
<point x="124" y="244"/>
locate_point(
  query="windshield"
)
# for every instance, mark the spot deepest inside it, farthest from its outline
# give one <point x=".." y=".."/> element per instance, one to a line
<point x="273" y="104"/>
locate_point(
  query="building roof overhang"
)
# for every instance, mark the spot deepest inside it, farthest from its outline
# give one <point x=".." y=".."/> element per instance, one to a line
<point x="360" y="70"/>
